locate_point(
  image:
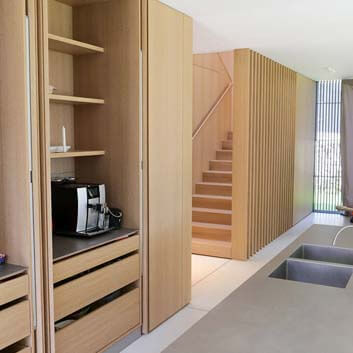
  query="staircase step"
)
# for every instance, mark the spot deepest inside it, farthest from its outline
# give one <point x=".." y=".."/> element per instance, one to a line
<point x="224" y="155"/>
<point x="227" y="145"/>
<point x="212" y="231"/>
<point x="214" y="216"/>
<point x="211" y="201"/>
<point x="211" y="247"/>
<point x="230" y="135"/>
<point x="221" y="165"/>
<point x="216" y="176"/>
<point x="214" y="189"/>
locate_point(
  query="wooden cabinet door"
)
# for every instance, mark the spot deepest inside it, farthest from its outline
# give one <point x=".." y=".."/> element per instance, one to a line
<point x="169" y="161"/>
<point x="14" y="144"/>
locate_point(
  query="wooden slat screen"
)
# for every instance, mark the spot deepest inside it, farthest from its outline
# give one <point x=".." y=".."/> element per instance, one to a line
<point x="264" y="146"/>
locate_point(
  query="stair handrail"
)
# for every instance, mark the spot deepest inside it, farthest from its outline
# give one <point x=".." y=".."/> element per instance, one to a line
<point x="212" y="110"/>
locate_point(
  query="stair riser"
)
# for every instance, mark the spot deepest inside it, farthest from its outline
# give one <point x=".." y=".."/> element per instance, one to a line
<point x="224" y="155"/>
<point x="218" y="204"/>
<point x="227" y="145"/>
<point x="217" y="178"/>
<point x="220" y="190"/>
<point x="211" y="217"/>
<point x="209" y="233"/>
<point x="216" y="251"/>
<point x="221" y="166"/>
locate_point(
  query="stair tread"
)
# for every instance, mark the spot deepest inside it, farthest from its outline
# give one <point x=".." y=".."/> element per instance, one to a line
<point x="211" y="210"/>
<point x="213" y="184"/>
<point x="228" y="172"/>
<point x="212" y="225"/>
<point x="221" y="160"/>
<point x="223" y="150"/>
<point x="213" y="196"/>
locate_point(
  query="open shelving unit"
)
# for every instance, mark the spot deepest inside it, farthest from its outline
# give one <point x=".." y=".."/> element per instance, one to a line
<point x="105" y="131"/>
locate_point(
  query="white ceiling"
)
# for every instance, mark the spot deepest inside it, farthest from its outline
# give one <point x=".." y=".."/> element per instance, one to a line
<point x="308" y="36"/>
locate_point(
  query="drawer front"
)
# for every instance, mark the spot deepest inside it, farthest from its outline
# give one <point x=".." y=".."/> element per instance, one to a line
<point x="13" y="289"/>
<point x="100" y="328"/>
<point x="80" y="263"/>
<point x="85" y="290"/>
<point x="14" y="324"/>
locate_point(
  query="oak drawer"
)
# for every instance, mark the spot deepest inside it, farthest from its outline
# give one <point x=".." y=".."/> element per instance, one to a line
<point x="13" y="289"/>
<point x="89" y="288"/>
<point x="92" y="258"/>
<point x="103" y="326"/>
<point x="14" y="324"/>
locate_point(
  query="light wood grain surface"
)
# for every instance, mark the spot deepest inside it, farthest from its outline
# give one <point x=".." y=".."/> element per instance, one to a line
<point x="78" y="293"/>
<point x="15" y="323"/>
<point x="70" y="46"/>
<point x="263" y="146"/>
<point x="13" y="289"/>
<point x="114" y="126"/>
<point x="82" y="262"/>
<point x="211" y="79"/>
<point x="169" y="189"/>
<point x="101" y="327"/>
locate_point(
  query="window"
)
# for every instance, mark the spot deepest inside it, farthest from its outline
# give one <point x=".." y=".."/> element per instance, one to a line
<point x="328" y="172"/>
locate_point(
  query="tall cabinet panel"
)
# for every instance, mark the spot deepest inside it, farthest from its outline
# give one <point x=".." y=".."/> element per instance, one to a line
<point x="16" y="323"/>
<point x="169" y="160"/>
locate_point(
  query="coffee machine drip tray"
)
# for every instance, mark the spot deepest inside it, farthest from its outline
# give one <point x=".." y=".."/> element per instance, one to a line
<point x="86" y="234"/>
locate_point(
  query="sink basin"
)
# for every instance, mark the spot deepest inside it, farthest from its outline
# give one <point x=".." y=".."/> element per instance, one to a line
<point x="333" y="275"/>
<point x="324" y="253"/>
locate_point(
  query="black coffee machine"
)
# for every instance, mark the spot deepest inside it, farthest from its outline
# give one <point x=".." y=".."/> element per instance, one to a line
<point x="81" y="210"/>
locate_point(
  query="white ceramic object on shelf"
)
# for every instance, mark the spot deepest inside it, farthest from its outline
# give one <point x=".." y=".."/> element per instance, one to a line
<point x="59" y="149"/>
<point x="52" y="89"/>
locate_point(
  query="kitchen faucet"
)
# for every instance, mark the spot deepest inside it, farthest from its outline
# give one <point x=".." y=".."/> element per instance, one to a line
<point x="338" y="233"/>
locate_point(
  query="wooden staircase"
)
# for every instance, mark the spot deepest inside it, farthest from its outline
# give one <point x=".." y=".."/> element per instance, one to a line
<point x="212" y="206"/>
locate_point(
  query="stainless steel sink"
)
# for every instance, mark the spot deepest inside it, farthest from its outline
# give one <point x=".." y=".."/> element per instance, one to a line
<point x="324" y="253"/>
<point x="327" y="274"/>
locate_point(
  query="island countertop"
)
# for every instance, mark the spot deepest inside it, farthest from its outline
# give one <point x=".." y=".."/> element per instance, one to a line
<point x="270" y="315"/>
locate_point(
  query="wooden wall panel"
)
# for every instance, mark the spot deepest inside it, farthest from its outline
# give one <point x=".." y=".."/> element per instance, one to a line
<point x="210" y="81"/>
<point x="169" y="159"/>
<point x="304" y="148"/>
<point x="209" y="139"/>
<point x="212" y="76"/>
<point x="263" y="145"/>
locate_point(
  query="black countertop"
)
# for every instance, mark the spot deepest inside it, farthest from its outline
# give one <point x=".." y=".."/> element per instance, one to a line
<point x="7" y="271"/>
<point x="64" y="246"/>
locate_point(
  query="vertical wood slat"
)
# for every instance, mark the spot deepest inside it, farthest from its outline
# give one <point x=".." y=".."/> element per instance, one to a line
<point x="263" y="158"/>
<point x="242" y="207"/>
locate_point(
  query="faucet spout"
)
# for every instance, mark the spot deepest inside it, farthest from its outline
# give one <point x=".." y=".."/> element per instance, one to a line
<point x="340" y="232"/>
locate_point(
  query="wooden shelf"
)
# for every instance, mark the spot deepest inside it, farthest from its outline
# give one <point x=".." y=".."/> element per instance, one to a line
<point x="56" y="98"/>
<point x="75" y="3"/>
<point x="70" y="46"/>
<point x="76" y="154"/>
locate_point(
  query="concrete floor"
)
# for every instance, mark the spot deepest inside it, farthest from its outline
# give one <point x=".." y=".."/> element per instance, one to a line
<point x="213" y="279"/>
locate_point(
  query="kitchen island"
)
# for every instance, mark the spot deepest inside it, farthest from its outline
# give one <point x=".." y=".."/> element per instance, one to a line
<point x="272" y="315"/>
